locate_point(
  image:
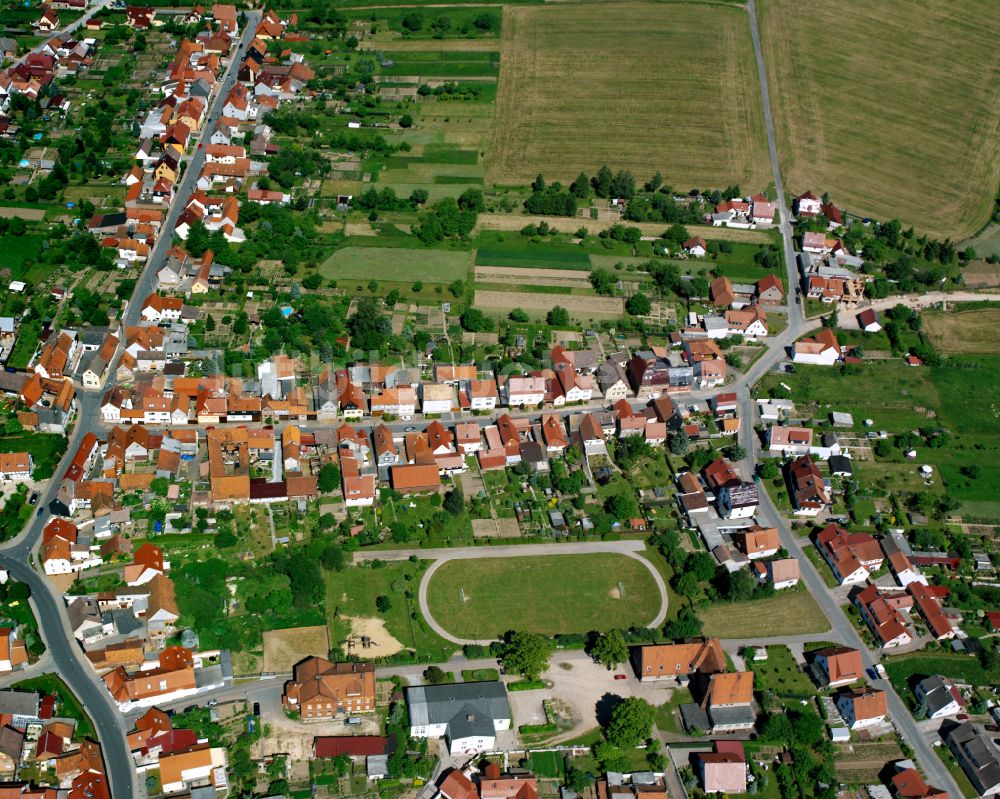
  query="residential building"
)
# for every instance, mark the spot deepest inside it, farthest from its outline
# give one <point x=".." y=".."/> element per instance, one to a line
<point x="724" y="769"/>
<point x="677" y="662"/>
<point x="881" y="612"/>
<point x="810" y="494"/>
<point x="838" y="665"/>
<point x="907" y="783"/>
<point x="939" y="696"/>
<point x="977" y="755"/>
<point x="321" y="690"/>
<point x="862" y="707"/>
<point x="851" y="556"/>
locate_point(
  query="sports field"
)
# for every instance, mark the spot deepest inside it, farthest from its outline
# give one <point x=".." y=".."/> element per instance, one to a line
<point x="897" y="115"/>
<point x="635" y="86"/>
<point x="485" y="597"/>
<point x="400" y="265"/>
<point x="968" y="332"/>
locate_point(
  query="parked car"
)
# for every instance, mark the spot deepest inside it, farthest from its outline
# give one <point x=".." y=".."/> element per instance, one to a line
<point x="962" y="717"/>
<point x="621" y="676"/>
<point x="211" y="703"/>
<point x="33" y="499"/>
<point x="256" y="708"/>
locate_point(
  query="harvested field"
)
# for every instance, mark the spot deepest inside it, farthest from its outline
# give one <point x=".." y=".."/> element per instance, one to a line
<point x="572" y="278"/>
<point x="577" y="306"/>
<point x="970" y="332"/>
<point x="284" y="648"/>
<point x="565" y="224"/>
<point x="981" y="275"/>
<point x="28" y="214"/>
<point x="901" y="119"/>
<point x="382" y="641"/>
<point x="628" y="84"/>
<point x="400" y="45"/>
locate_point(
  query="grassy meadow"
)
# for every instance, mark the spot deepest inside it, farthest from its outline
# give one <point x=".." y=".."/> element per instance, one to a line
<point x="637" y="86"/>
<point x="900" y="118"/>
<point x="551" y="594"/>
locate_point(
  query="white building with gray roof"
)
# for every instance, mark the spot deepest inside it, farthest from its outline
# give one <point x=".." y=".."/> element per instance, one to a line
<point x="467" y="715"/>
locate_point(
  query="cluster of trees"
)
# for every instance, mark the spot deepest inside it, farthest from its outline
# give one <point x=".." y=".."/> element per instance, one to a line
<point x="618" y="232"/>
<point x="662" y="207"/>
<point x="467" y="90"/>
<point x="668" y="280"/>
<point x="442" y="24"/>
<point x="449" y="218"/>
<point x="292" y="163"/>
<point x="551" y="200"/>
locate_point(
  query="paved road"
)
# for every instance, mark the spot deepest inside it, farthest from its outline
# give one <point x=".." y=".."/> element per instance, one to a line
<point x="66" y="657"/>
<point x="630" y="549"/>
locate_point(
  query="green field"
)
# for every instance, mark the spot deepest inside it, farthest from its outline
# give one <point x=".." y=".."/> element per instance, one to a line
<point x="901" y="110"/>
<point x="352" y="592"/>
<point x="46" y="449"/>
<point x="904" y="671"/>
<point x="399" y="265"/>
<point x="443" y="64"/>
<point x="534" y="259"/>
<point x="636" y="86"/>
<point x="781" y="674"/>
<point x="551" y="594"/>
<point x="792" y="611"/>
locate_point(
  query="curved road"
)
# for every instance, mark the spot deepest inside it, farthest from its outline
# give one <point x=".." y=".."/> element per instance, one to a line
<point x="630" y="549"/>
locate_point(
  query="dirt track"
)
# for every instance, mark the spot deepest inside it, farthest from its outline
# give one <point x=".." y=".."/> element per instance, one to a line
<point x="572" y="278"/>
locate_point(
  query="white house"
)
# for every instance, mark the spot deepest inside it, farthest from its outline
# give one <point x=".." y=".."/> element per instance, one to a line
<point x="522" y="391"/>
<point x="823" y="349"/>
<point x="156" y="308"/>
<point x="437" y="398"/>
<point x="862" y="707"/>
<point x="15" y="466"/>
<point x="696" y="247"/>
<point x="467" y="715"/>
<point x="808" y="204"/>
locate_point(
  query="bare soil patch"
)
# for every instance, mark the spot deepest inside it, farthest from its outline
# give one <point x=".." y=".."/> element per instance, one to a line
<point x="570" y="278"/>
<point x="382" y="642"/>
<point x="604" y="306"/>
<point x="284" y="648"/>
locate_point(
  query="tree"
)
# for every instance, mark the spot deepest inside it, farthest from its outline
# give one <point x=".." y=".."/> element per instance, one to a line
<point x="736" y="452"/>
<point x="631" y="723"/>
<point x="369" y="328"/>
<point x="602" y="181"/>
<point x="329" y="478"/>
<point x="807" y="727"/>
<point x="456" y="288"/>
<point x="621" y="506"/>
<point x="580" y="187"/>
<point x="678" y="442"/>
<point x="475" y="321"/>
<point x="610" y="649"/>
<point x="769" y="470"/>
<point x="638" y="305"/>
<point x="603" y="280"/>
<point x="558" y="316"/>
<point x="313" y="281"/>
<point x="435" y="675"/>
<point x="383" y="604"/>
<point x="454" y="502"/>
<point x="526" y="654"/>
<point x="518" y="315"/>
<point x="406" y="121"/>
<point x="777" y="728"/>
<point x="686" y="625"/>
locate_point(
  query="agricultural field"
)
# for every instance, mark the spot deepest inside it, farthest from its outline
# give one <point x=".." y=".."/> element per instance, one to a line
<point x="539" y="303"/>
<point x="788" y="612"/>
<point x="962" y="332"/>
<point x="399" y="265"/>
<point x="484" y="597"/>
<point x="636" y="86"/>
<point x="284" y="648"/>
<point x="900" y="119"/>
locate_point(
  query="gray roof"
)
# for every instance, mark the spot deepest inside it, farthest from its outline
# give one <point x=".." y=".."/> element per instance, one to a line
<point x="937" y="693"/>
<point x="377" y="765"/>
<point x="841" y="464"/>
<point x="726" y="716"/>
<point x="444" y="704"/>
<point x="978" y="758"/>
<point x="19" y="703"/>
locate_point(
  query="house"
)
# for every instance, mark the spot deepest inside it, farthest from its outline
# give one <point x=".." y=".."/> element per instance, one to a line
<point x="783" y="572"/>
<point x="737" y="500"/>
<point x="523" y="391"/>
<point x="758" y="542"/>
<point x="823" y="349"/>
<point x="904" y="570"/>
<point x="320" y="690"/>
<point x="467" y="715"/>
<point x="976" y="754"/>
<point x="862" y="707"/>
<point x="838" y="665"/>
<point x="436" y="398"/>
<point x="750" y="323"/>
<point x="907" y="783"/>
<point x="868" y="321"/>
<point x="927" y="603"/>
<point x="13" y="653"/>
<point x="721" y="291"/>
<point x="724" y="769"/>
<point x="851" y="556"/>
<point x="810" y="494"/>
<point x="678" y="662"/>
<point x="15" y="466"/>
<point x="157" y="308"/>
<point x="728" y="702"/>
<point x="696" y="247"/>
<point x="415" y="478"/>
<point x="939" y="697"/>
<point x="881" y="612"/>
<point x="198" y="765"/>
<point x="768" y="290"/>
<point x="807" y="204"/>
<point x="478" y="395"/>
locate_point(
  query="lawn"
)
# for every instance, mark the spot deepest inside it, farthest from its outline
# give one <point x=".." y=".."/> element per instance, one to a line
<point x="534" y="258"/>
<point x="667" y="717"/>
<point x="899" y="111"/>
<point x="17" y="250"/>
<point x="404" y="265"/>
<point x="546" y="764"/>
<point x="792" y="611"/>
<point x="632" y="85"/>
<point x="484" y="597"/>
<point x="966" y="332"/>
<point x="352" y="592"/>
<point x="781" y="674"/>
<point x="46" y="449"/>
<point x="906" y="670"/>
<point x="71" y="707"/>
<point x="443" y="64"/>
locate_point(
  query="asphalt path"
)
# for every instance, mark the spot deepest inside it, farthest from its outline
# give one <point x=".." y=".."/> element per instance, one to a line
<point x="66" y="657"/>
